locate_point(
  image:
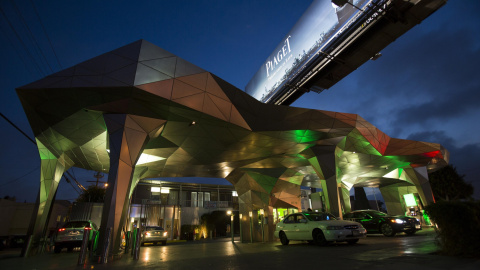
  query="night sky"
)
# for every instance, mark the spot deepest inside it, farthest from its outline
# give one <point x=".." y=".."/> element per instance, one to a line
<point x="425" y="87"/>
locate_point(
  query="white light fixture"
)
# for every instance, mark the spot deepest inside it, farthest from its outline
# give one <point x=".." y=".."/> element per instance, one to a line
<point x="229" y="212"/>
<point x="234" y="194"/>
<point x="146" y="158"/>
<point x="165" y="190"/>
<point x="155" y="189"/>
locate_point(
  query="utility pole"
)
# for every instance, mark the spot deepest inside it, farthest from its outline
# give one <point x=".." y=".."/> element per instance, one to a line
<point x="98" y="176"/>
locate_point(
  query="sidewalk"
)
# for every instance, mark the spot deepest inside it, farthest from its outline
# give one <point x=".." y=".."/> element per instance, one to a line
<point x="376" y="252"/>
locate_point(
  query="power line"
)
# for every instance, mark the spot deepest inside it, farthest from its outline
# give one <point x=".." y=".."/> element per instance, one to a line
<point x="32" y="37"/>
<point x="16" y="50"/>
<point x="16" y="179"/>
<point x="21" y="131"/>
<point x="46" y="34"/>
<point x="21" y="42"/>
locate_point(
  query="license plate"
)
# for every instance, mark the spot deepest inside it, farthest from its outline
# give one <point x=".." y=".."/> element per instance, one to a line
<point x="355" y="232"/>
<point x="417" y="226"/>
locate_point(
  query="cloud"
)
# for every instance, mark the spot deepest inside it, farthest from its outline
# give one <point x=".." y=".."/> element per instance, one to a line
<point x="464" y="158"/>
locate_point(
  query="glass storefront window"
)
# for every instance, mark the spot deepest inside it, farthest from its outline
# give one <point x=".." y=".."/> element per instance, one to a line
<point x="194" y="199"/>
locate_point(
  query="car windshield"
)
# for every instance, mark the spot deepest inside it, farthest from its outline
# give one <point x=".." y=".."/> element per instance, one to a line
<point x="76" y="224"/>
<point x="376" y="213"/>
<point x="319" y="216"/>
<point x="154" y="228"/>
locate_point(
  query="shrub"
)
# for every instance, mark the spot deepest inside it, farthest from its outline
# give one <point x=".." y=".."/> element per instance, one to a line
<point x="458" y="226"/>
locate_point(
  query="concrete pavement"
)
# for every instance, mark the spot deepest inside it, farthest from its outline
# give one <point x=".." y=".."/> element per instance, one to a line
<point x="374" y="252"/>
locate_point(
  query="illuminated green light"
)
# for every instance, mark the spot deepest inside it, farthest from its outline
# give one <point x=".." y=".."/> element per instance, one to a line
<point x="410" y="200"/>
<point x="426" y="218"/>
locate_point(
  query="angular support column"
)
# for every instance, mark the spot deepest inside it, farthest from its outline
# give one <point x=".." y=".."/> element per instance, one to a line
<point x="52" y="169"/>
<point x="419" y="176"/>
<point x="393" y="196"/>
<point x="128" y="135"/>
<point x="345" y="195"/>
<point x="258" y="192"/>
<point x="324" y="164"/>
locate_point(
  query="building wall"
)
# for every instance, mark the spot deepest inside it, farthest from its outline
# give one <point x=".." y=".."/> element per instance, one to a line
<point x="16" y="217"/>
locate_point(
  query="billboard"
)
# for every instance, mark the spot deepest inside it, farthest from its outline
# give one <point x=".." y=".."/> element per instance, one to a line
<point x="318" y="32"/>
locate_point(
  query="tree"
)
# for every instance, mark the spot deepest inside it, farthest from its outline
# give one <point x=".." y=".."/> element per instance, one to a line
<point x="447" y="184"/>
<point x="92" y="194"/>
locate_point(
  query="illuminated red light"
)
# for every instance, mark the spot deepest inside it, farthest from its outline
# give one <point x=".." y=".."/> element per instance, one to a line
<point x="88" y="228"/>
<point x="61" y="229"/>
<point x="431" y="154"/>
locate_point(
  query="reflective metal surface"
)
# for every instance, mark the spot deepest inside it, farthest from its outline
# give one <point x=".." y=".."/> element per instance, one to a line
<point x="141" y="112"/>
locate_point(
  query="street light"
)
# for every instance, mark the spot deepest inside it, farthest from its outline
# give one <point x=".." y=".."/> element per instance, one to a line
<point x="241" y="232"/>
<point x="262" y="212"/>
<point x="251" y="226"/>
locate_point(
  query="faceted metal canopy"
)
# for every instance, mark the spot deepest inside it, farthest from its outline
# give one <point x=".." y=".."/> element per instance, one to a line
<point x="142" y="112"/>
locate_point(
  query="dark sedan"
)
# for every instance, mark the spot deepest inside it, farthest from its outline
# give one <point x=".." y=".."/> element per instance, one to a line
<point x="379" y="222"/>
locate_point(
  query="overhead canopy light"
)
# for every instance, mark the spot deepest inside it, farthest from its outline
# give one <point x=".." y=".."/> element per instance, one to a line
<point x="146" y="158"/>
<point x="410" y="200"/>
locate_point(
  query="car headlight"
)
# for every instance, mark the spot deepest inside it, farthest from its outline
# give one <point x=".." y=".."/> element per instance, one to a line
<point x="334" y="228"/>
<point x="165" y="233"/>
<point x="418" y="220"/>
<point x="399" y="221"/>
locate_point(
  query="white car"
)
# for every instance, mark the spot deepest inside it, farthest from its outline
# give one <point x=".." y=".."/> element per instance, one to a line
<point x="154" y="235"/>
<point x="318" y="228"/>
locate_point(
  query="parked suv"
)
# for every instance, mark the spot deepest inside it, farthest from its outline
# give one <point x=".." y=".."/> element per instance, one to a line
<point x="379" y="222"/>
<point x="71" y="235"/>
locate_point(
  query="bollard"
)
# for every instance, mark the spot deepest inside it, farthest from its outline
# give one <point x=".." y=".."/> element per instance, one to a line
<point x="137" y="245"/>
<point x="104" y="257"/>
<point x="93" y="243"/>
<point x="134" y="241"/>
<point x="28" y="246"/>
<point x="127" y="241"/>
<point x="83" y="248"/>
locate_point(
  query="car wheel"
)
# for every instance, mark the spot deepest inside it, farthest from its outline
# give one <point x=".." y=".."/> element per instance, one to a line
<point x="57" y="249"/>
<point x="387" y="230"/>
<point x="284" y="239"/>
<point x="353" y="241"/>
<point x="411" y="232"/>
<point x="319" y="238"/>
<point x="164" y="243"/>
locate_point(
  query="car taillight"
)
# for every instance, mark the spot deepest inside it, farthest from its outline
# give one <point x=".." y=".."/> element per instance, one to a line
<point x="61" y="229"/>
<point x="88" y="228"/>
